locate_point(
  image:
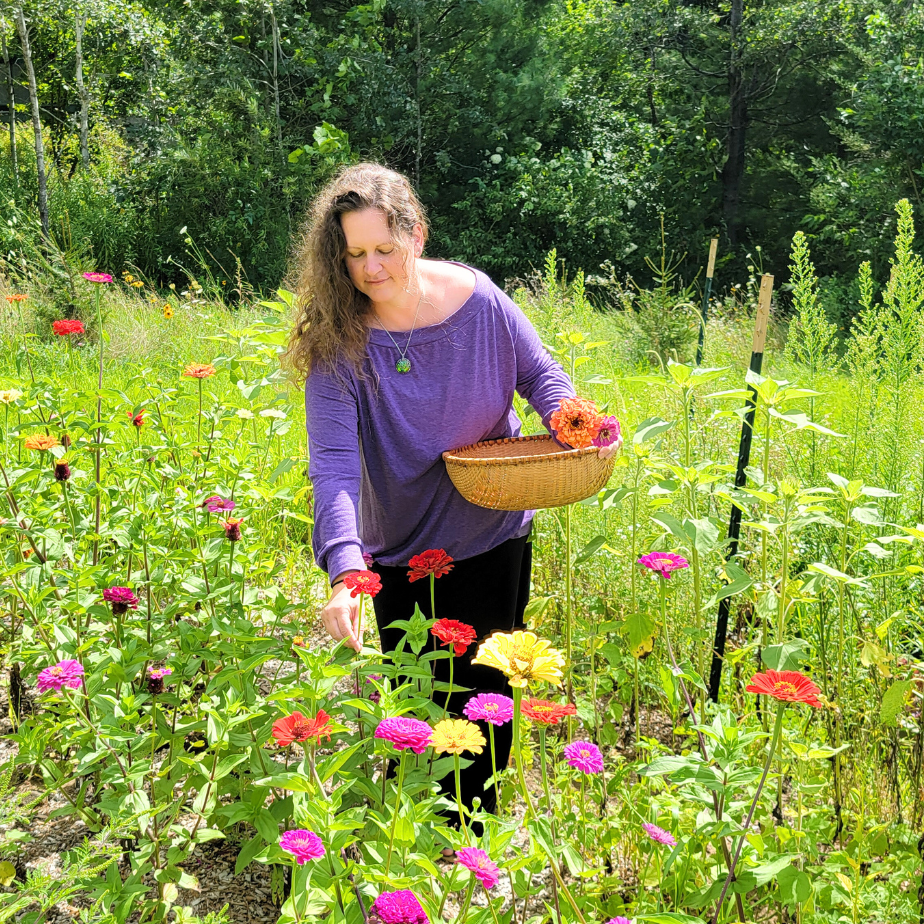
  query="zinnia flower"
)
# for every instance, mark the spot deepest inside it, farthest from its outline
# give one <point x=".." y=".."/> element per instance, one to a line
<point x="199" y="370"/>
<point x="368" y="560"/>
<point x="576" y="423"/>
<point x="63" y="328"/>
<point x="405" y="733"/>
<point x="156" y="679"/>
<point x="489" y="707"/>
<point x="121" y="599"/>
<point x="619" y="919"/>
<point x="232" y="528"/>
<point x="785" y="687"/>
<point x="63" y="674"/>
<point x="433" y="561"/>
<point x="452" y="632"/>
<point x="663" y="563"/>
<point x="584" y="756"/>
<point x="453" y="736"/>
<point x="482" y="867"/>
<point x="218" y="504"/>
<point x="363" y="582"/>
<point x="137" y="419"/>
<point x="303" y="845"/>
<point x="401" y="907"/>
<point x="545" y="712"/>
<point x="522" y="656"/>
<point x="296" y="727"/>
<point x="98" y="278"/>
<point x="10" y="395"/>
<point x="610" y="432"/>
<point x="659" y="835"/>
<point x="62" y="470"/>
<point x="374" y="696"/>
<point x="15" y="298"/>
<point x="41" y="442"/>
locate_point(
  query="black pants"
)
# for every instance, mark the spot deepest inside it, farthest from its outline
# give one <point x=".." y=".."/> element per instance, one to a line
<point x="488" y="592"/>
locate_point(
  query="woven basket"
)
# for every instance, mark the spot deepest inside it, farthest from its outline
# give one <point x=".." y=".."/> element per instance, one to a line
<point x="526" y="473"/>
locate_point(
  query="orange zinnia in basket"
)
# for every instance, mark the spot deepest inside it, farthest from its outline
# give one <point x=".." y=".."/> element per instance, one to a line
<point x="576" y="423"/>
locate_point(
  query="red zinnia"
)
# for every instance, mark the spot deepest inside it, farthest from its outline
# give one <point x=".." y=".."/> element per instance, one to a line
<point x="137" y="419"/>
<point x="452" y="632"/>
<point x="363" y="582"/>
<point x="545" y="712"/>
<point x="785" y="687"/>
<point x="63" y="328"/>
<point x="296" y="727"/>
<point x="433" y="561"/>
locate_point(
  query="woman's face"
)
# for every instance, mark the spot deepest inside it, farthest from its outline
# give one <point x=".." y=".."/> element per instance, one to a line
<point x="376" y="266"/>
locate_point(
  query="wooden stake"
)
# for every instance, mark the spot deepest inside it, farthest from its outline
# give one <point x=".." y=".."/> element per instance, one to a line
<point x="744" y="457"/>
<point x="707" y="292"/>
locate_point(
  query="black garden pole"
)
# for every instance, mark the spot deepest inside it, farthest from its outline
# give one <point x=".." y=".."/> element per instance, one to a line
<point x="707" y="292"/>
<point x="744" y="456"/>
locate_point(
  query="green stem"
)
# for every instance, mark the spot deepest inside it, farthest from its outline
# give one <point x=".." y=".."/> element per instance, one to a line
<point x="777" y="729"/>
<point x="517" y="698"/>
<point x="461" y="807"/>
<point x="99" y="427"/>
<point x="394" y="820"/>
<point x="452" y="660"/>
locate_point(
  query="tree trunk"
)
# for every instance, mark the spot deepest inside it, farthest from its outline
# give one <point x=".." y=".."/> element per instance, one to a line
<point x="417" y="104"/>
<point x="11" y="90"/>
<point x="23" y="30"/>
<point x="79" y="22"/>
<point x="738" y="119"/>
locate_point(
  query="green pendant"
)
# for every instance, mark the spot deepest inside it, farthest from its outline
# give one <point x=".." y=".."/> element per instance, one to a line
<point x="403" y="365"/>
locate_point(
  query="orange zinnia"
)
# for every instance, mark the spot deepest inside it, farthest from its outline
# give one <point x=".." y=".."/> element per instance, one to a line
<point x="41" y="442"/>
<point x="16" y="298"/>
<point x="199" y="370"/>
<point x="296" y="727"/>
<point x="576" y="423"/>
<point x="785" y="687"/>
<point x="545" y="712"/>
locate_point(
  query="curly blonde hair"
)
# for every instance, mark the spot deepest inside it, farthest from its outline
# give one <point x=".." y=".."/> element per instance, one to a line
<point x="330" y="324"/>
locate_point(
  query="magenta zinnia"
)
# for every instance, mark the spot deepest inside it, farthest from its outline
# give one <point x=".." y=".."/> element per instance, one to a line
<point x="121" y="599"/>
<point x="99" y="278"/>
<point x="584" y="756"/>
<point x="489" y="707"/>
<point x="303" y="845"/>
<point x="659" y="835"/>
<point x="482" y="867"/>
<point x="610" y="433"/>
<point x="663" y="563"/>
<point x="619" y="919"/>
<point x="405" y="733"/>
<point x="63" y="674"/>
<point x="401" y="907"/>
<point x="216" y="504"/>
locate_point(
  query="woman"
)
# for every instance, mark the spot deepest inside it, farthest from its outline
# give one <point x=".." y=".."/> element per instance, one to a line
<point x="405" y="357"/>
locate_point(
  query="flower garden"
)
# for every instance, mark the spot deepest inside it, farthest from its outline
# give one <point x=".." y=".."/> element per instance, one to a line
<point x="171" y="687"/>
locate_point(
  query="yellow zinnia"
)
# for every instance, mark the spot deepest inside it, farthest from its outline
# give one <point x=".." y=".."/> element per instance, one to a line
<point x="10" y="395"/>
<point x="453" y="736"/>
<point x="523" y="657"/>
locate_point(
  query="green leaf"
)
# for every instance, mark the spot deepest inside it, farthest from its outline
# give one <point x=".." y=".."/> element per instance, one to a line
<point x="668" y="917"/>
<point x="590" y="549"/>
<point x="640" y="632"/>
<point x="795" y="886"/>
<point x="7" y="873"/>
<point x="649" y="429"/>
<point x="785" y="657"/>
<point x="894" y="701"/>
<point x="247" y="854"/>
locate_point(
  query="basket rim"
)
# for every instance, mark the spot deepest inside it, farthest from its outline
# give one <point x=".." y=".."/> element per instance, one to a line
<point x="451" y="455"/>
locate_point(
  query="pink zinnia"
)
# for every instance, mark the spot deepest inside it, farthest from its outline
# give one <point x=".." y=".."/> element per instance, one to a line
<point x="482" y="867"/>
<point x="405" y="733"/>
<point x="584" y="756"/>
<point x="218" y="504"/>
<point x="303" y="845"/>
<point x="659" y="835"/>
<point x="100" y="278"/>
<point x="121" y="599"/>
<point x="489" y="707"/>
<point x="368" y="560"/>
<point x="63" y="674"/>
<point x="401" y="907"/>
<point x="619" y="919"/>
<point x="158" y="673"/>
<point x="610" y="433"/>
<point x="663" y="563"/>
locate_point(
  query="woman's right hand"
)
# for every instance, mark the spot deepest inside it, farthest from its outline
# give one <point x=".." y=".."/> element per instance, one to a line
<point x="341" y="617"/>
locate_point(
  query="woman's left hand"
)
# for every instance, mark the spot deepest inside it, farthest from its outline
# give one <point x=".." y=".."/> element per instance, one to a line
<point x="607" y="452"/>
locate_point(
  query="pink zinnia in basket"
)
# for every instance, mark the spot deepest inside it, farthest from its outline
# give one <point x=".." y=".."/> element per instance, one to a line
<point x="610" y="432"/>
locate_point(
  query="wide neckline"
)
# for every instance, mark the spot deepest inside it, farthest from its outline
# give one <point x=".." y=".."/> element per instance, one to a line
<point x="461" y="315"/>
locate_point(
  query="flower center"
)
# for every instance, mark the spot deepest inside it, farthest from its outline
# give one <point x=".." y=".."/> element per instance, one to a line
<point x="783" y="687"/>
<point x="301" y="729"/>
<point x="57" y="671"/>
<point x="490" y="707"/>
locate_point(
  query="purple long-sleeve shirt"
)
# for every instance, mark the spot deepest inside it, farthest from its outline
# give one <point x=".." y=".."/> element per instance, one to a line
<point x="375" y="444"/>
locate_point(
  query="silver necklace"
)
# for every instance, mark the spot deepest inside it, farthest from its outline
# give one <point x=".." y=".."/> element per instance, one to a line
<point x="403" y="364"/>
